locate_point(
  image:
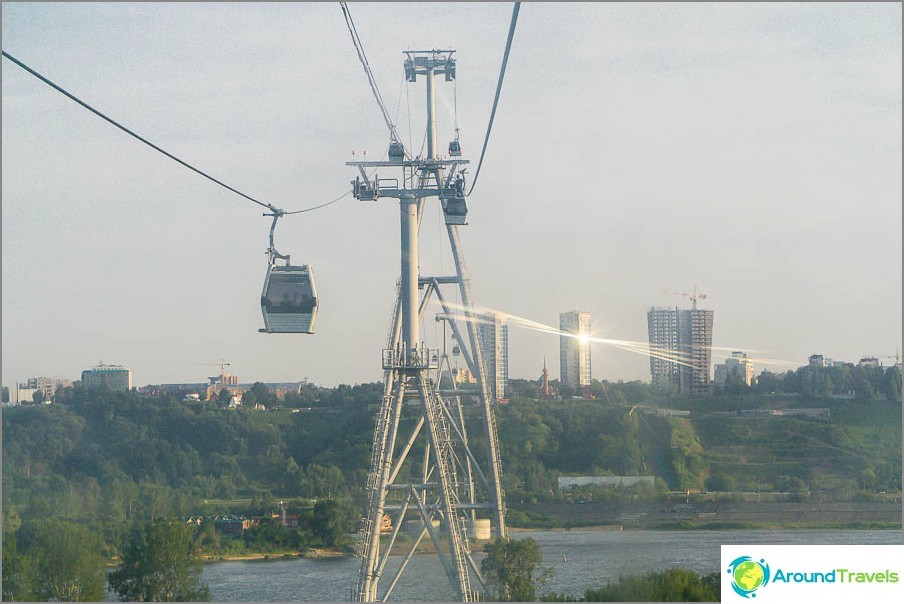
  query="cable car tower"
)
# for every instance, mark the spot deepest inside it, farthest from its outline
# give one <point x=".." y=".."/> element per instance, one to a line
<point x="449" y="483"/>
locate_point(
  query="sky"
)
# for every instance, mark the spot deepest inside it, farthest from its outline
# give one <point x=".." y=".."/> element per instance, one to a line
<point x="752" y="151"/>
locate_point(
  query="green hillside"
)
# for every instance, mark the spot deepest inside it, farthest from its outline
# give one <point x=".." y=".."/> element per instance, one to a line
<point x="113" y="457"/>
<point x="857" y="449"/>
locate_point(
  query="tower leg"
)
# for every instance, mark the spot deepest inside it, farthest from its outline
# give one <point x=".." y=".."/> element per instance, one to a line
<point x="385" y="432"/>
<point x="489" y="418"/>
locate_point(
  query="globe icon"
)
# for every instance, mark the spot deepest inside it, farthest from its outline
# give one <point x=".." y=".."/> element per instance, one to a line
<point x="748" y="575"/>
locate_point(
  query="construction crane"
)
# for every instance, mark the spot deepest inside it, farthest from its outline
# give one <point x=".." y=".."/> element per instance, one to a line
<point x="222" y="364"/>
<point x="693" y="297"/>
<point x="896" y="356"/>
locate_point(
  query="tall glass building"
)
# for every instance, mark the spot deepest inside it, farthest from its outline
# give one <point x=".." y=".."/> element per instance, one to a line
<point x="492" y="332"/>
<point x="574" y="350"/>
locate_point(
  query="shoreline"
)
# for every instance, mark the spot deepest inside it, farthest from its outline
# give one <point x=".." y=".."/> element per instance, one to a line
<point x="316" y="552"/>
<point x="400" y="549"/>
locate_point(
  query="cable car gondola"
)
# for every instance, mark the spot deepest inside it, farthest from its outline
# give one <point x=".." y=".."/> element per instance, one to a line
<point x="289" y="298"/>
<point x="396" y="151"/>
<point x="454" y="145"/>
<point x="455" y="208"/>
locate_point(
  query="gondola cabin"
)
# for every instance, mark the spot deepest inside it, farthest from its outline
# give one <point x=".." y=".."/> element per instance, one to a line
<point x="454" y="148"/>
<point x="455" y="210"/>
<point x="289" y="300"/>
<point x="396" y="151"/>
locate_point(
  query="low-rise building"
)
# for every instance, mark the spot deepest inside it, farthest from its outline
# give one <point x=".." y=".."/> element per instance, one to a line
<point x="739" y="366"/>
<point x="26" y="391"/>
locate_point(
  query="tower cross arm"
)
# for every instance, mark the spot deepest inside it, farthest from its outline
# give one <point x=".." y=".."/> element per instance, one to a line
<point x="413" y="163"/>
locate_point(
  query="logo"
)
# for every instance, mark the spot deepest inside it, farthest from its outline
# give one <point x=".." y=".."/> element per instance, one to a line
<point x="748" y="575"/>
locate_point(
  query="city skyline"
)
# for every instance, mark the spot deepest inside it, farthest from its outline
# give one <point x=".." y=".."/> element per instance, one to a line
<point x="750" y="150"/>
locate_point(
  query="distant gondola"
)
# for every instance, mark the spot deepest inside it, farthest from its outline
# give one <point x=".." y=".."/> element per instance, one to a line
<point x="454" y="148"/>
<point x="289" y="300"/>
<point x="396" y="151"/>
<point x="455" y="208"/>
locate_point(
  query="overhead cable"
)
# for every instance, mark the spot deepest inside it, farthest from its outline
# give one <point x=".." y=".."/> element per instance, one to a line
<point x="152" y="145"/>
<point x="323" y="205"/>
<point x="370" y="76"/>
<point x="508" y="47"/>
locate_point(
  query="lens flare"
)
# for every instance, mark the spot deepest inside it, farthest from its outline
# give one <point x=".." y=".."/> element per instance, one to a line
<point x="679" y="357"/>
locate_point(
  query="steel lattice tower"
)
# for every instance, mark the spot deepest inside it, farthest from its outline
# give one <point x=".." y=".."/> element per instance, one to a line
<point x="453" y="484"/>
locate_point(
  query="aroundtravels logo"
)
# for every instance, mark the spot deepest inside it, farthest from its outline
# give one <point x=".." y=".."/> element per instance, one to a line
<point x="812" y="573"/>
<point x="748" y="575"/>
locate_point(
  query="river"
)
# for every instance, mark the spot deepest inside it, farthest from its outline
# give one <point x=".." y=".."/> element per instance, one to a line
<point x="593" y="558"/>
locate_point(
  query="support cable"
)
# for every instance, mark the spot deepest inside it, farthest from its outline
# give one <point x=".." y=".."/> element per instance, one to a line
<point x="71" y="96"/>
<point x="508" y="47"/>
<point x="394" y="135"/>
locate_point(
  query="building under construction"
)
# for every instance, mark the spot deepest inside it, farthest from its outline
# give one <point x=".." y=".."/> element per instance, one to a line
<point x="681" y="348"/>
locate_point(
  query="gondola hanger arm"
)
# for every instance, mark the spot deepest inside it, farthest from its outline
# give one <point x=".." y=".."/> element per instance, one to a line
<point x="276" y="213"/>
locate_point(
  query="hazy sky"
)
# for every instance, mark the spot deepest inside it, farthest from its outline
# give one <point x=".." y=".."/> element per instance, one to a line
<point x="753" y="150"/>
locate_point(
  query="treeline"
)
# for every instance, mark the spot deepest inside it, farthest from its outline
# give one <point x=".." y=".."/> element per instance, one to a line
<point x="55" y="560"/>
<point x="862" y="382"/>
<point x="113" y="458"/>
<point x="673" y="585"/>
<point x="119" y="456"/>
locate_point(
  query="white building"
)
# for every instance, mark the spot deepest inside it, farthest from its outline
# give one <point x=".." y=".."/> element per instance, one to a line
<point x="47" y="386"/>
<point x="739" y="364"/>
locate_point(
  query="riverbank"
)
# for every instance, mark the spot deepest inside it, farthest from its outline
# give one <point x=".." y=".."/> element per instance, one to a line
<point x="317" y="552"/>
<point x="711" y="515"/>
<point x="580" y="560"/>
<point x="654" y="516"/>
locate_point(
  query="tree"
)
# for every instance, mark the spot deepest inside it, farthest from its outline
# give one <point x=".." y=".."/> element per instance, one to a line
<point x="224" y="397"/>
<point x="159" y="565"/>
<point x="15" y="572"/>
<point x="891" y="384"/>
<point x="330" y="522"/>
<point x="673" y="585"/>
<point x="64" y="561"/>
<point x="511" y="570"/>
<point x="261" y="394"/>
<point x="208" y="537"/>
<point x="5" y="394"/>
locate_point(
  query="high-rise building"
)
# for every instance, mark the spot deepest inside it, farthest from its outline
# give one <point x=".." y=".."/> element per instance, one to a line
<point x="574" y="350"/>
<point x="115" y="377"/>
<point x="492" y="333"/>
<point x="681" y="348"/>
